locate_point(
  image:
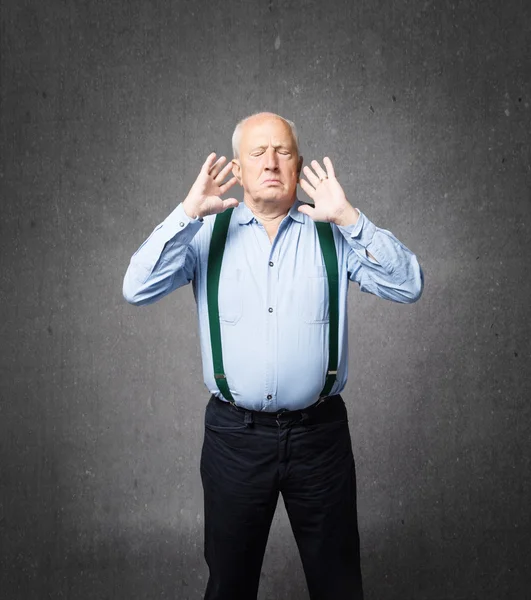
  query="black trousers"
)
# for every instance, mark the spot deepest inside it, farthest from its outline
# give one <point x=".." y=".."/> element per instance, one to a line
<point x="248" y="458"/>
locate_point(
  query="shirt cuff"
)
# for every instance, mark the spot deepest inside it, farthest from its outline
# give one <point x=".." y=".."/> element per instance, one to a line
<point x="361" y="233"/>
<point x="178" y="220"/>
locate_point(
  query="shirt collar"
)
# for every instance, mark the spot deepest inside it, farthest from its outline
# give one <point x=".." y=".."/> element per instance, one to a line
<point x="244" y="215"/>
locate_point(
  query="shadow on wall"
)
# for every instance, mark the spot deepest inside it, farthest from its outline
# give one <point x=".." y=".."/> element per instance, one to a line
<point x="163" y="564"/>
<point x="440" y="554"/>
<point x="399" y="566"/>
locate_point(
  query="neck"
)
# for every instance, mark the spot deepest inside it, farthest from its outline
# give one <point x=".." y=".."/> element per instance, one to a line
<point x="269" y="211"/>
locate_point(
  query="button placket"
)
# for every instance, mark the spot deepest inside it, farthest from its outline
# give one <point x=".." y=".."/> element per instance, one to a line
<point x="271" y="326"/>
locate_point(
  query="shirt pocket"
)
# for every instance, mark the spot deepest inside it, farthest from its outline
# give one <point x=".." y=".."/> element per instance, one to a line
<point x="314" y="301"/>
<point x="230" y="296"/>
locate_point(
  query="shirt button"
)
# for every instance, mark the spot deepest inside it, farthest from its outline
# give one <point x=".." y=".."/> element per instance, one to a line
<point x="269" y="396"/>
<point x="271" y="264"/>
<point x="181" y="224"/>
<point x="270" y="309"/>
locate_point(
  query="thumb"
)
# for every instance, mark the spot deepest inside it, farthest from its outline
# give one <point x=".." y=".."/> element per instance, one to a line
<point x="306" y="209"/>
<point x="230" y="203"/>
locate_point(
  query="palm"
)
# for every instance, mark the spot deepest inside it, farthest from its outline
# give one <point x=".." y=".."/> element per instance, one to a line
<point x="210" y="191"/>
<point x="325" y="191"/>
<point x="204" y="197"/>
<point x="328" y="199"/>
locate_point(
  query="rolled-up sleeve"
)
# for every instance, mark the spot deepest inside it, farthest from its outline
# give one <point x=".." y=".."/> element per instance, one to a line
<point x="165" y="260"/>
<point x="395" y="275"/>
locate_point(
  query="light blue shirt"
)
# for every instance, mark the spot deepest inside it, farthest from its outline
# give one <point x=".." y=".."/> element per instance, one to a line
<point x="273" y="297"/>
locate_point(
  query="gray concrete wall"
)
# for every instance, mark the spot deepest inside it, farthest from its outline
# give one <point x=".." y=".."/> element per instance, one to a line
<point x="108" y="111"/>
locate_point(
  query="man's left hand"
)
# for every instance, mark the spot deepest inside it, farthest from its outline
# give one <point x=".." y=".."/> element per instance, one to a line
<point x="330" y="203"/>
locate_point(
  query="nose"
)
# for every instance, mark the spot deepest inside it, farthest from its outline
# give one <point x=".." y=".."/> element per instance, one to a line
<point x="271" y="160"/>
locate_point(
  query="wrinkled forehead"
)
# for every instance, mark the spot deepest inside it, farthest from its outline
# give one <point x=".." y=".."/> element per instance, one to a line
<point x="267" y="131"/>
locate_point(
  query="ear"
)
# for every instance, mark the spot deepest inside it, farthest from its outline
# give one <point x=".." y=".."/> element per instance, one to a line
<point x="299" y="166"/>
<point x="237" y="170"/>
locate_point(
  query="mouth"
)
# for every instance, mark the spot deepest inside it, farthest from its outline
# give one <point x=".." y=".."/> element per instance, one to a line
<point x="272" y="181"/>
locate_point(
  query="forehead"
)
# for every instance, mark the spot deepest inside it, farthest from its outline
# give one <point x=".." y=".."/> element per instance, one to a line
<point x="264" y="131"/>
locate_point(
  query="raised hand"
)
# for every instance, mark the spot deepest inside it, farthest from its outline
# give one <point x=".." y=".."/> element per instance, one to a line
<point x="204" y="196"/>
<point x="330" y="203"/>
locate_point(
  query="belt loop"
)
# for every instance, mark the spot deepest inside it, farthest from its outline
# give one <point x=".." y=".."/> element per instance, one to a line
<point x="304" y="418"/>
<point x="248" y="419"/>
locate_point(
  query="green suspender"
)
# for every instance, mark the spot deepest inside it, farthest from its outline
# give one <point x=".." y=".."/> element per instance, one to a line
<point x="215" y="258"/>
<point x="328" y="248"/>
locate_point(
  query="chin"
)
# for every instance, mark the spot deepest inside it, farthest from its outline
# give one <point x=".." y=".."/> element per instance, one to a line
<point x="278" y="192"/>
<point x="278" y="197"/>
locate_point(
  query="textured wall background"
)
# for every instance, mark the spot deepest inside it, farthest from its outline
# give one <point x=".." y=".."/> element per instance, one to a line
<point x="108" y="111"/>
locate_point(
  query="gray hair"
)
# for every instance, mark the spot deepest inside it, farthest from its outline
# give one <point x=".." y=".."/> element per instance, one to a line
<point x="237" y="135"/>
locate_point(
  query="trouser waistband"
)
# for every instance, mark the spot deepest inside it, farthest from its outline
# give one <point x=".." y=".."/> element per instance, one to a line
<point x="331" y="408"/>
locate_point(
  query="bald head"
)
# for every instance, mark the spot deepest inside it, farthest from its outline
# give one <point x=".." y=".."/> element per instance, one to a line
<point x="257" y="119"/>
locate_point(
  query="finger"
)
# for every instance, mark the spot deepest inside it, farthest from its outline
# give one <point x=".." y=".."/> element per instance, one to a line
<point x="312" y="177"/>
<point x="223" y="173"/>
<point x="216" y="167"/>
<point x="307" y="188"/>
<point x="226" y="186"/>
<point x="319" y="170"/>
<point x="207" y="165"/>
<point x="329" y="167"/>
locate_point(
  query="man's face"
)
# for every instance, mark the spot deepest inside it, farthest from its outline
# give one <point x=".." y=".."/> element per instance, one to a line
<point x="268" y="166"/>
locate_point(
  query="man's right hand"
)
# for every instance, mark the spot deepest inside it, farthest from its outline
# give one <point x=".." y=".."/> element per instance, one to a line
<point x="204" y="196"/>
